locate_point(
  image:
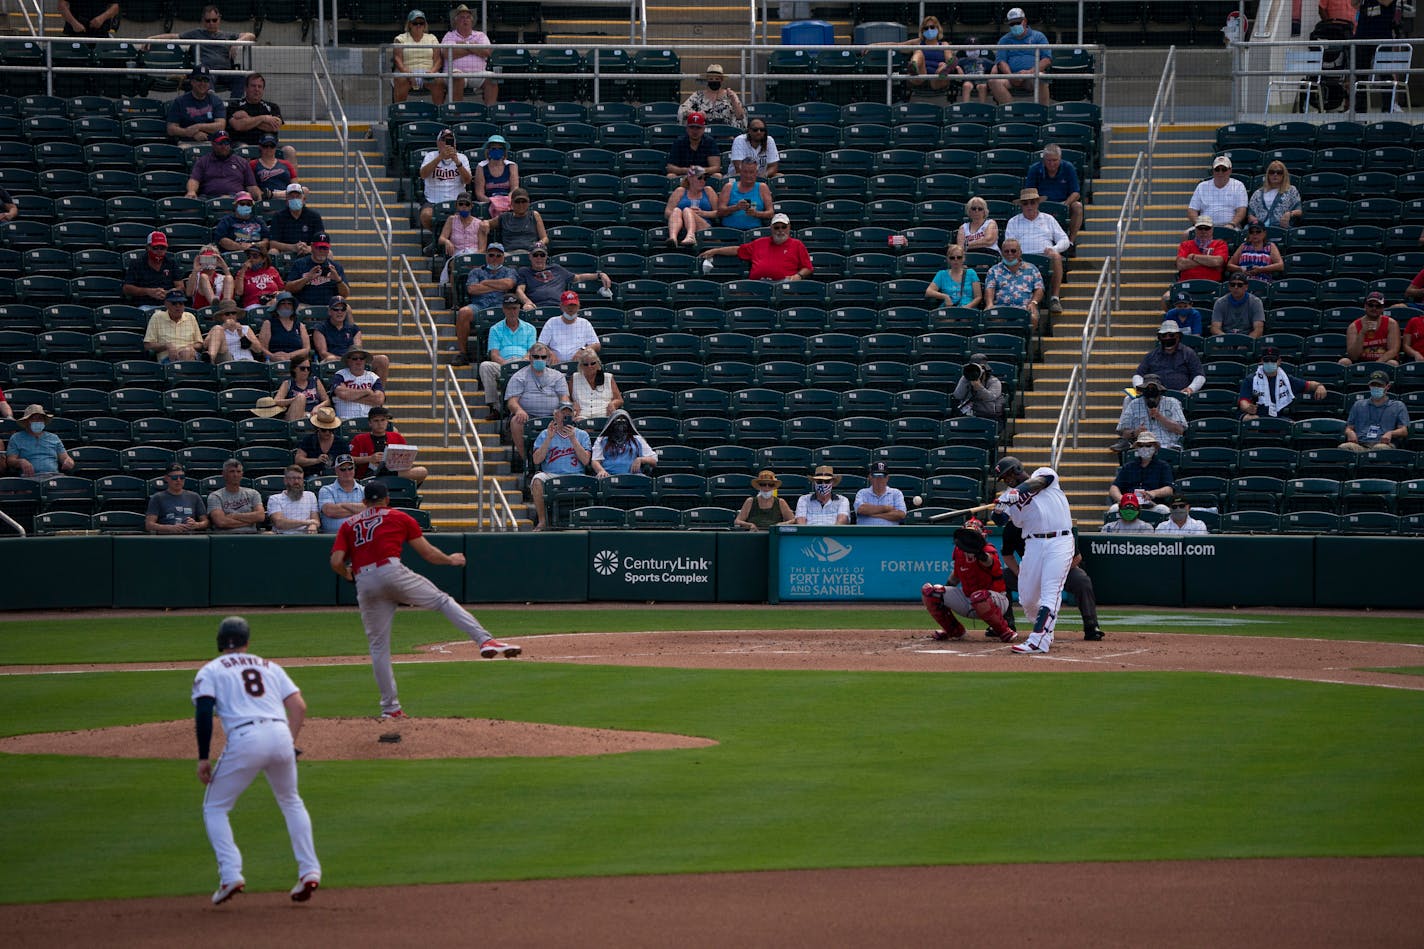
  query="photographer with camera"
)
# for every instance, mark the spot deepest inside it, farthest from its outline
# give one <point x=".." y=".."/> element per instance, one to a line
<point x="256" y="281"/>
<point x="979" y="393"/>
<point x="1153" y="412"/>
<point x="211" y="280"/>
<point x="315" y="279"/>
<point x="561" y="448"/>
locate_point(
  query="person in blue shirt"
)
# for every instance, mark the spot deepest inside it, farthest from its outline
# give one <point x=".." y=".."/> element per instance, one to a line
<point x="1188" y="317"/>
<point x="562" y="448"/>
<point x="509" y="341"/>
<point x="488" y="285"/>
<point x="34" y="452"/>
<point x="1028" y="61"/>
<point x="1057" y="180"/>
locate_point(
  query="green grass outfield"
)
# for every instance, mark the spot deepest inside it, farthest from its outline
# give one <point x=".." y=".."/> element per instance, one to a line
<point x="813" y="769"/>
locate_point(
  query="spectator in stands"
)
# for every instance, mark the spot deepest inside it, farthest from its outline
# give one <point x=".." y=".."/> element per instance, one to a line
<point x="173" y="334"/>
<point x="1414" y="293"/>
<point x="88" y="17"/>
<point x="1221" y="197"/>
<point x="211" y="280"/>
<point x="535" y="391"/>
<point x="230" y="339"/>
<point x="878" y="504"/>
<point x="301" y="393"/>
<point x="1129" y="518"/>
<point x="695" y="147"/>
<point x="33" y="452"/>
<point x="342" y="498"/>
<point x="509" y="340"/>
<point x="256" y="282"/>
<point x="1176" y="366"/>
<point x="1375" y="19"/>
<point x="319" y="448"/>
<point x="778" y="257"/>
<point x="317" y="279"/>
<point x="197" y="115"/>
<point x="1277" y="202"/>
<point x="335" y="336"/>
<point x="561" y="448"/>
<point x="285" y="336"/>
<point x="1057" y="180"/>
<point x="241" y="229"/>
<point x="932" y="59"/>
<point x="745" y="202"/>
<point x="593" y="391"/>
<point x="1152" y="411"/>
<point x="369" y="448"/>
<point x="220" y="172"/>
<point x="1014" y="282"/>
<point x="356" y="389"/>
<point x="5" y="411"/>
<point x="273" y="174"/>
<point x="294" y="509"/>
<point x="215" y="55"/>
<point x="519" y="228"/>
<point x="175" y="509"/>
<point x="1040" y="234"/>
<point x="570" y="334"/>
<point x="417" y="66"/>
<point x="9" y="207"/>
<point x="975" y="64"/>
<point x="980" y="232"/>
<point x="717" y="102"/>
<point x="1185" y="315"/>
<point x="1376" y="422"/>
<point x="621" y="450"/>
<point x="1257" y="258"/>
<point x="764" y="510"/>
<point x="1032" y="60"/>
<point x="1238" y="310"/>
<point x="489" y="284"/>
<point x="543" y="283"/>
<point x="1411" y="339"/>
<point x="757" y="147"/>
<point x="293" y="230"/>
<point x="471" y="57"/>
<point x="1270" y="390"/>
<point x="1180" y="520"/>
<point x="821" y="507"/>
<point x="459" y="235"/>
<point x="251" y="118"/>
<point x="691" y="208"/>
<point x="496" y="176"/>
<point x="978" y="393"/>
<point x="233" y="508"/>
<point x="1201" y="256"/>
<point x="1145" y="476"/>
<point x="148" y="279"/>
<point x="1373" y="337"/>
<point x="956" y="284"/>
<point x="446" y="173"/>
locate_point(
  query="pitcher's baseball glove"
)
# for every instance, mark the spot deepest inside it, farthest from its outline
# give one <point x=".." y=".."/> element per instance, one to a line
<point x="969" y="540"/>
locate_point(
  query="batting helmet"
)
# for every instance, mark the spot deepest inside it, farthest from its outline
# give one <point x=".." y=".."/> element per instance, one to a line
<point x="1007" y="464"/>
<point x="233" y="632"/>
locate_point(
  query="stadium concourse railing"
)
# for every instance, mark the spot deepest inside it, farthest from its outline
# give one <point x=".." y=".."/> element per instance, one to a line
<point x="1075" y="396"/>
<point x="33" y="14"/>
<point x="130" y="69"/>
<point x="1271" y="77"/>
<point x="410" y="299"/>
<point x="369" y="199"/>
<point x="489" y="495"/>
<point x="637" y="17"/>
<point x="324" y="87"/>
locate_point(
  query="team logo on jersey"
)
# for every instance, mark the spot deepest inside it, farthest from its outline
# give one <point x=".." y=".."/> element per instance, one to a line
<point x="826" y="550"/>
<point x="606" y="562"/>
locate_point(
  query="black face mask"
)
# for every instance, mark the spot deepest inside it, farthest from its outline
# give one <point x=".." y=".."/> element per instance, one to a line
<point x="1168" y="342"/>
<point x="714" y="85"/>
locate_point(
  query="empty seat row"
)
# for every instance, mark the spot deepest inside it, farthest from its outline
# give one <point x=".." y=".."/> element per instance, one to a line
<point x="1323" y="460"/>
<point x="1283" y="495"/>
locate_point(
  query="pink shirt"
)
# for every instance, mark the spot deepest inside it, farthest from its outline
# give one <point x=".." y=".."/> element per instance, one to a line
<point x="467" y="62"/>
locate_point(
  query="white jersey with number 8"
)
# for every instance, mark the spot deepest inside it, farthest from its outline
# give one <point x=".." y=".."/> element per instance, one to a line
<point x="245" y="687"/>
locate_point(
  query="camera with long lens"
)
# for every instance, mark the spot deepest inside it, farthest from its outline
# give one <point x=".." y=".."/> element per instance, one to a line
<point x="972" y="371"/>
<point x="1153" y="395"/>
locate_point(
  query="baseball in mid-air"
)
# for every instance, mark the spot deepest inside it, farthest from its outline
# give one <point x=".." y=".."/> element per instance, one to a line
<point x="917" y="500"/>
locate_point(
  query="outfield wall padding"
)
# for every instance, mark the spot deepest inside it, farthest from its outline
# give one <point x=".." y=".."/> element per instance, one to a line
<point x="45" y="573"/>
<point x="163" y="572"/>
<point x="547" y="567"/>
<point x="257" y="570"/>
<point x="741" y="566"/>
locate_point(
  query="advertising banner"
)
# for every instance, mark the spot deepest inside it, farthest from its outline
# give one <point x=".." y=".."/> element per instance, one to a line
<point x="858" y="563"/>
<point x="652" y="565"/>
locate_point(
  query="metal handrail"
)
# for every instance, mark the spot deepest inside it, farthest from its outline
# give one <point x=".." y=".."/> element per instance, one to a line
<point x="1075" y="396"/>
<point x="412" y="299"/>
<point x="368" y="195"/>
<point x="325" y="86"/>
<point x="14" y="523"/>
<point x="1134" y="203"/>
<point x="489" y="492"/>
<point x="1163" y="105"/>
<point x="50" y="70"/>
<point x="34" y="24"/>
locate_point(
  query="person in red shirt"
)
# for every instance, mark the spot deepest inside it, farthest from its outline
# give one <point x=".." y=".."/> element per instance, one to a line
<point x="778" y="257"/>
<point x="975" y="588"/>
<point x="1373" y="337"/>
<point x="1201" y="256"/>
<point x="369" y="448"/>
<point x="368" y="551"/>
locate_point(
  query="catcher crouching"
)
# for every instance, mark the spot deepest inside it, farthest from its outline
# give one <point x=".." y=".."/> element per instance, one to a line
<point x="975" y="588"/>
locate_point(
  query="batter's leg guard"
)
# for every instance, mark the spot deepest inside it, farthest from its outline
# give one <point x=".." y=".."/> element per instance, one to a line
<point x="932" y="594"/>
<point x="989" y="612"/>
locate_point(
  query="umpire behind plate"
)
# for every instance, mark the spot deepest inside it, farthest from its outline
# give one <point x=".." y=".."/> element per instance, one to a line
<point x="1039" y="508"/>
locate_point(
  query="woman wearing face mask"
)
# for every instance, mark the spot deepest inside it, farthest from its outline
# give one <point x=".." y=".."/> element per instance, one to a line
<point x="620" y="449"/>
<point x="720" y="104"/>
<point x="211" y="280"/>
<point x="255" y="279"/>
<point x="594" y="393"/>
<point x="284" y="336"/>
<point x="691" y="208"/>
<point x="460" y="235"/>
<point x="931" y="62"/>
<point x="765" y="509"/>
<point x="980" y="232"/>
<point x="497" y="176"/>
<point x="1270" y="390"/>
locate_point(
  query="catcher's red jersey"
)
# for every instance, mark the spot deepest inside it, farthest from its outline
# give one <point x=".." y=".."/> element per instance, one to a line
<point x="376" y="534"/>
<point x="974" y="576"/>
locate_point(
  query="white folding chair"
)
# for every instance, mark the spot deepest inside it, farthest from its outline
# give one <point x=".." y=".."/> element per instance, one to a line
<point x="1388" y="75"/>
<point x="1300" y="76"/>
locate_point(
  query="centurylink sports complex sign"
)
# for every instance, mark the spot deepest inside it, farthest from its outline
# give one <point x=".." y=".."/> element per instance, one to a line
<point x="652" y="565"/>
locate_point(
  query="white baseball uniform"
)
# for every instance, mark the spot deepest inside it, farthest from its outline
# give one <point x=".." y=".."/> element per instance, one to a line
<point x="250" y="692"/>
<point x="1047" y="525"/>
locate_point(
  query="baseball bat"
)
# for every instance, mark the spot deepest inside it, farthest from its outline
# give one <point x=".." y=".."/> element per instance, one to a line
<point x="968" y="510"/>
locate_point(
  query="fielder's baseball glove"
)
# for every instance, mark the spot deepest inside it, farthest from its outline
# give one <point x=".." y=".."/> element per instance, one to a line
<point x="969" y="540"/>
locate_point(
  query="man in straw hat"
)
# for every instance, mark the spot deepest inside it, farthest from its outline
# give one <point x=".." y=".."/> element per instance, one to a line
<point x="34" y="452"/>
<point x="821" y="507"/>
<point x="764" y="510"/>
<point x="317" y="452"/>
<point x="1040" y="234"/>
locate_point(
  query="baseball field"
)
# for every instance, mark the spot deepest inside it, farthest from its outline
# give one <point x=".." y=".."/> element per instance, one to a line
<point x="800" y="776"/>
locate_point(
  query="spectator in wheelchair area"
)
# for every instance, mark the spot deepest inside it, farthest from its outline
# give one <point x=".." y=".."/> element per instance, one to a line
<point x="1153" y="412"/>
<point x="975" y="64"/>
<point x="509" y="341"/>
<point x="619" y="448"/>
<point x="231" y="339"/>
<point x="1238" y="310"/>
<point x="1373" y="337"/>
<point x="1031" y="61"/>
<point x="368" y="449"/>
<point x="215" y="55"/>
<point x="418" y="67"/>
<point x="446" y="173"/>
<point x="1270" y="390"/>
<point x="979" y="393"/>
<point x="1145" y="478"/>
<point x="535" y="391"/>
<point x="1376" y="422"/>
<point x="561" y="448"/>
<point x="764" y="509"/>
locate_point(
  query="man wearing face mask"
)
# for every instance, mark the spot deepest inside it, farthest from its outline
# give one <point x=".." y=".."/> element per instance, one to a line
<point x="778" y="257"/>
<point x="1239" y="311"/>
<point x="34" y="452"/>
<point x="294" y="230"/>
<point x="1146" y="478"/>
<point x="570" y="332"/>
<point x="241" y="229"/>
<point x="487" y="285"/>
<point x="821" y="507"/>
<point x="1030" y="60"/>
<point x="533" y="392"/>
<point x="1129" y="519"/>
<point x="1376" y="422"/>
<point x="562" y="448"/>
<point x="1270" y="390"/>
<point x="1181" y="520"/>
<point x="1176" y="366"/>
<point x="221" y="172"/>
<point x="1184" y="314"/>
<point x="1162" y="415"/>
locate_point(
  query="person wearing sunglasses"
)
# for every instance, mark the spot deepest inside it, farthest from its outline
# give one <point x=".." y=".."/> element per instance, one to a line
<point x="1373" y="337"/>
<point x="256" y="281"/>
<point x="756" y="146"/>
<point x="1277" y="202"/>
<point x="1180" y="521"/>
<point x="215" y="55"/>
<point x="1220" y="197"/>
<point x="778" y="257"/>
<point x="956" y="284"/>
<point x="594" y="392"/>
<point x="175" y="509"/>
<point x="1014" y="281"/>
<point x="518" y="228"/>
<point x="419" y="60"/>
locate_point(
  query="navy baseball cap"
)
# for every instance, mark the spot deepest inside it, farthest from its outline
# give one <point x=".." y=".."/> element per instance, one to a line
<point x="376" y="491"/>
<point x="175" y="296"/>
<point x="879" y="468"/>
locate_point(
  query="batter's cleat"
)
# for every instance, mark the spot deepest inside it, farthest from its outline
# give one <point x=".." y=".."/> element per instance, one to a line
<point x="493" y="648"/>
<point x="393" y="716"/>
<point x="227" y="891"/>
<point x="1093" y="635"/>
<point x="304" y="888"/>
<point x="1027" y="649"/>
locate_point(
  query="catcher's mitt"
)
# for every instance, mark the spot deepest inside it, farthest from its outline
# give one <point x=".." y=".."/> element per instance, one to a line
<point x="969" y="540"/>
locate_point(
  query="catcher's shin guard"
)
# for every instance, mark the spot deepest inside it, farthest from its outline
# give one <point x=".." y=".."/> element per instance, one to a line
<point x="990" y="613"/>
<point x="932" y="594"/>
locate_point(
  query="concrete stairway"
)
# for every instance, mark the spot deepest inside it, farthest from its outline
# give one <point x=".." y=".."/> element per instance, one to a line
<point x="449" y="493"/>
<point x="1184" y="153"/>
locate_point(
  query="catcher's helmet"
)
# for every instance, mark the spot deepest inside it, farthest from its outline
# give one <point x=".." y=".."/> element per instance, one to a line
<point x="232" y="633"/>
<point x="1007" y="464"/>
<point x="975" y="524"/>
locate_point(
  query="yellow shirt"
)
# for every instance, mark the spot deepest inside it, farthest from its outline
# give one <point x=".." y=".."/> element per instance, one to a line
<point x="162" y="329"/>
<point x="417" y="60"/>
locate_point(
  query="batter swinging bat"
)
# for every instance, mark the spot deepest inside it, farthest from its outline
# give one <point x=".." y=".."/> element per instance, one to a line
<point x="968" y="510"/>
